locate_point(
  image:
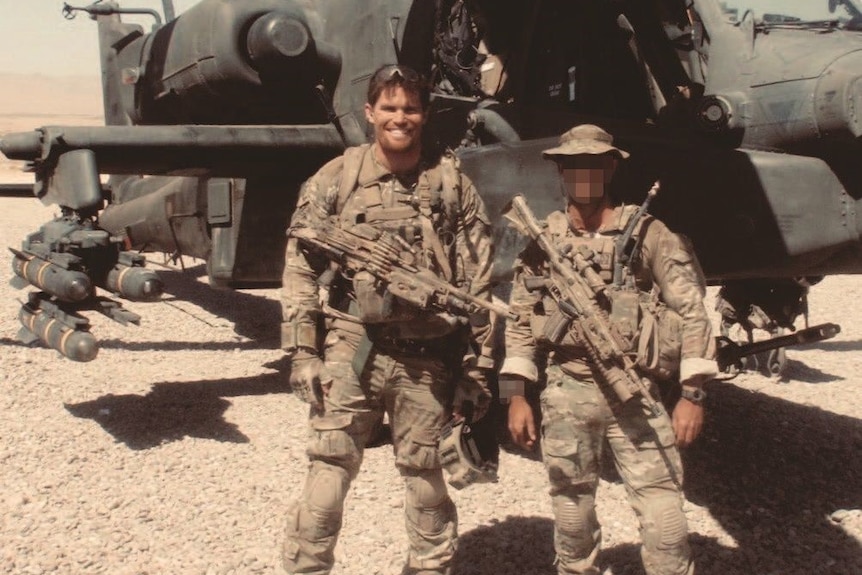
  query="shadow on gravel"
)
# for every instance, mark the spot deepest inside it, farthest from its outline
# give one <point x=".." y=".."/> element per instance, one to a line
<point x="183" y="345"/>
<point x="797" y="371"/>
<point x="772" y="473"/>
<point x="173" y="411"/>
<point x="253" y="316"/>
<point x="514" y="546"/>
<point x="833" y="345"/>
<point x="525" y="546"/>
<point x="11" y="341"/>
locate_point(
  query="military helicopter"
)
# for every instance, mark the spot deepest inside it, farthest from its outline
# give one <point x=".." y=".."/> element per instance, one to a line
<point x="216" y="116"/>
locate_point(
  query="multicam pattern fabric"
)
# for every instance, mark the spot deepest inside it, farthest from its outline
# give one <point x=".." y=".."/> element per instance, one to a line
<point x="410" y="380"/>
<point x="665" y="261"/>
<point x="465" y="237"/>
<point x="579" y="416"/>
<point x="414" y="392"/>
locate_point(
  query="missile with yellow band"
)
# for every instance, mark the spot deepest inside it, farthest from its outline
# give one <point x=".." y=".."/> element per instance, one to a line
<point x="65" y="284"/>
<point x="130" y="280"/>
<point x="68" y="333"/>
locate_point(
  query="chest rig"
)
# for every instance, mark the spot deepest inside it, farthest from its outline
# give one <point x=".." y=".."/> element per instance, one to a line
<point x="622" y="287"/>
<point x="423" y="212"/>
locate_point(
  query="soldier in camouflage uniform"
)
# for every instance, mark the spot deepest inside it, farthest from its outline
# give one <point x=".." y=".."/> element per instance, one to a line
<point x="354" y="358"/>
<point x="579" y="414"/>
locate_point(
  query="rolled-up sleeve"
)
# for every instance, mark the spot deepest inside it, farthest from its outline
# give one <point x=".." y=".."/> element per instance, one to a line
<point x="521" y="347"/>
<point x="680" y="279"/>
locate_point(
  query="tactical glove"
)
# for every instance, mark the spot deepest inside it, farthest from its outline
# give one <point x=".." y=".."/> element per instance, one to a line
<point x="473" y="389"/>
<point x="308" y="377"/>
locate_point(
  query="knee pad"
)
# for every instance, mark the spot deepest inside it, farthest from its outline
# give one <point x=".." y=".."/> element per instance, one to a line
<point x="664" y="526"/>
<point x="427" y="501"/>
<point x="575" y="517"/>
<point x="318" y="514"/>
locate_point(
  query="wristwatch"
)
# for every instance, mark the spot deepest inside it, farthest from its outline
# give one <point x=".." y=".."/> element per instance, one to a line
<point x="696" y="395"/>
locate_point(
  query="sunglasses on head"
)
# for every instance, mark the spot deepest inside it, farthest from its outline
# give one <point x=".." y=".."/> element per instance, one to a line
<point x="397" y="71"/>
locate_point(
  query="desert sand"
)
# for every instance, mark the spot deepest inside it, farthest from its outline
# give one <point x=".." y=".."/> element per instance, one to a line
<point x="178" y="450"/>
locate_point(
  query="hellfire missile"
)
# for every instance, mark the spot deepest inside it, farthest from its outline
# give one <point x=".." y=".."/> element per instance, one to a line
<point x="130" y="280"/>
<point x="67" y="333"/>
<point x="66" y="284"/>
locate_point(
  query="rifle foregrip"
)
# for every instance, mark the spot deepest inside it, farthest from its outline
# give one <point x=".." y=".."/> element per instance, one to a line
<point x="533" y="283"/>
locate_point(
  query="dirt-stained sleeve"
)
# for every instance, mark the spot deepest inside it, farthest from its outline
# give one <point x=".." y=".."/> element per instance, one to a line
<point x="300" y="305"/>
<point x="679" y="277"/>
<point x="521" y="348"/>
<point x="475" y="259"/>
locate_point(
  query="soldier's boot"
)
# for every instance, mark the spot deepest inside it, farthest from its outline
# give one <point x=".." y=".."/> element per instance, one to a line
<point x="314" y="521"/>
<point x="577" y="534"/>
<point x="432" y="522"/>
<point x="664" y="532"/>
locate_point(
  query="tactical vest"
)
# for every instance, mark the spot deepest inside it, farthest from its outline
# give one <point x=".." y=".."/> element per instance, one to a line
<point x="651" y="329"/>
<point x="427" y="216"/>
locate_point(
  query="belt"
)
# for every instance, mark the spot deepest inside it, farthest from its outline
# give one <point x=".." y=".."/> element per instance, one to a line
<point x="412" y="347"/>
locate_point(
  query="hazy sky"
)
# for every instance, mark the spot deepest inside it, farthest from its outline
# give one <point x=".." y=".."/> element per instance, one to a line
<point x="34" y="36"/>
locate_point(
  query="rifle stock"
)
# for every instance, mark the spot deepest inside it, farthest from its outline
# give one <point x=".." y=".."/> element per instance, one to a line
<point x="576" y="297"/>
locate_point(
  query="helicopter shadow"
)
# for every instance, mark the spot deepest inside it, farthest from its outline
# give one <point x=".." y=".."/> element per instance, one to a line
<point x="837" y="346"/>
<point x="121" y="344"/>
<point x="798" y="371"/>
<point x="525" y="546"/>
<point x="772" y="473"/>
<point x="253" y="316"/>
<point x="172" y="411"/>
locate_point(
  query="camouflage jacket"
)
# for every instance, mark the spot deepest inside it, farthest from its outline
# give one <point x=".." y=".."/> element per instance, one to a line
<point x="463" y="228"/>
<point x="664" y="263"/>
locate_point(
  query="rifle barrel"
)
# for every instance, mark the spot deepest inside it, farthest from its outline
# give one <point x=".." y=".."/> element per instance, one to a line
<point x="728" y="352"/>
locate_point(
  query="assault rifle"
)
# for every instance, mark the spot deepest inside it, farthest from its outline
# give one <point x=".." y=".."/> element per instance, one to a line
<point x="575" y="292"/>
<point x="364" y="248"/>
<point x="729" y="353"/>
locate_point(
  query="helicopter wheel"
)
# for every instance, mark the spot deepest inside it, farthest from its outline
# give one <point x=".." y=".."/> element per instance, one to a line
<point x="776" y="362"/>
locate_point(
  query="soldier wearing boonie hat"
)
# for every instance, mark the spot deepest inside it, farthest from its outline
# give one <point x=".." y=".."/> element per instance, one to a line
<point x="585" y="139"/>
<point x="579" y="414"/>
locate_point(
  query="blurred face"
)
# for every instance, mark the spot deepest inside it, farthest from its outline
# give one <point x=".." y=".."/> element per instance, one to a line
<point x="585" y="177"/>
<point x="397" y="117"/>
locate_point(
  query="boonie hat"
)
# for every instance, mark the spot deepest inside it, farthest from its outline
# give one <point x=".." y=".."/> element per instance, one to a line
<point x="584" y="139"/>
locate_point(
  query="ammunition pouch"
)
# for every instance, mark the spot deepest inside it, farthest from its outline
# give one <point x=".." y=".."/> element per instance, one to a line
<point x="375" y="305"/>
<point x="373" y="302"/>
<point x="660" y="342"/>
<point x="625" y="313"/>
<point x="551" y="326"/>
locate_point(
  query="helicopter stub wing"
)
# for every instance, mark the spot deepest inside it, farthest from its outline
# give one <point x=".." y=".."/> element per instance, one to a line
<point x="294" y="151"/>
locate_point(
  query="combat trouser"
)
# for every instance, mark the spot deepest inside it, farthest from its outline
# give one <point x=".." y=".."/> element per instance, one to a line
<point x="576" y="420"/>
<point x="415" y="391"/>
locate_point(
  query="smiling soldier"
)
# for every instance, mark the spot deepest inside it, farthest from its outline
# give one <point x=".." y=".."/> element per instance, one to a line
<point x="362" y="353"/>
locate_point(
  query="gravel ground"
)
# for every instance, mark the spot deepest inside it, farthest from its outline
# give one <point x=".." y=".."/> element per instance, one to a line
<point x="178" y="449"/>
